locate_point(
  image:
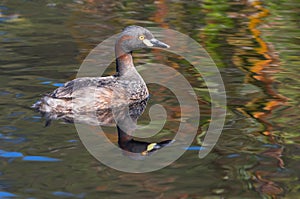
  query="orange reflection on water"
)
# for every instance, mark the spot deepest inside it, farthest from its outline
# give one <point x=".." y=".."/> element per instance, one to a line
<point x="160" y="14"/>
<point x="263" y="70"/>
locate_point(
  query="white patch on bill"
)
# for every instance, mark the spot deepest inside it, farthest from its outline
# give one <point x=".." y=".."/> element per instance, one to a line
<point x="147" y="42"/>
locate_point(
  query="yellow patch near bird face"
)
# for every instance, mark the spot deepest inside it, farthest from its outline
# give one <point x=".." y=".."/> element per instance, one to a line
<point x="151" y="146"/>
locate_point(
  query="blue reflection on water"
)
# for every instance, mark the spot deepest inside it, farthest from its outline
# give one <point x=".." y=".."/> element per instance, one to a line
<point x="7" y="154"/>
<point x="72" y="141"/>
<point x="67" y="194"/>
<point x="58" y="84"/>
<point x="194" y="148"/>
<point x="14" y="154"/>
<point x="46" y="82"/>
<point x="4" y="194"/>
<point x="53" y="84"/>
<point x="40" y="159"/>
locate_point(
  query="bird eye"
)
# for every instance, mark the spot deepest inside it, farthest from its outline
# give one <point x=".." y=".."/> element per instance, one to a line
<point x="142" y="37"/>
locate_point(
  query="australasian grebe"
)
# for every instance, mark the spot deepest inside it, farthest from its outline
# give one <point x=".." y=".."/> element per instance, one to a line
<point x="89" y="94"/>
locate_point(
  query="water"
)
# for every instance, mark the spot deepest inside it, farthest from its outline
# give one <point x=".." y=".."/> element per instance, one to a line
<point x="256" y="48"/>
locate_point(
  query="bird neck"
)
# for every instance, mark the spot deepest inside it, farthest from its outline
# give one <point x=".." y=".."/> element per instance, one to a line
<point x="124" y="61"/>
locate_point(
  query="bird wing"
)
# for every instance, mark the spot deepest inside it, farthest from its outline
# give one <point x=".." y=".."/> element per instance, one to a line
<point x="70" y="88"/>
<point x="101" y="97"/>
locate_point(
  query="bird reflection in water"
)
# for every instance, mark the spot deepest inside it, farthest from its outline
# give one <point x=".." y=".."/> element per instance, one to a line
<point x="124" y="118"/>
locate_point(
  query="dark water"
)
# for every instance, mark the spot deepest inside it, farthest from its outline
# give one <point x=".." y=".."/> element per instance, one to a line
<point x="255" y="46"/>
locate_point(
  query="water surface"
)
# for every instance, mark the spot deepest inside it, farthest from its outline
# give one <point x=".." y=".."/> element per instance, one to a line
<point x="254" y="45"/>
